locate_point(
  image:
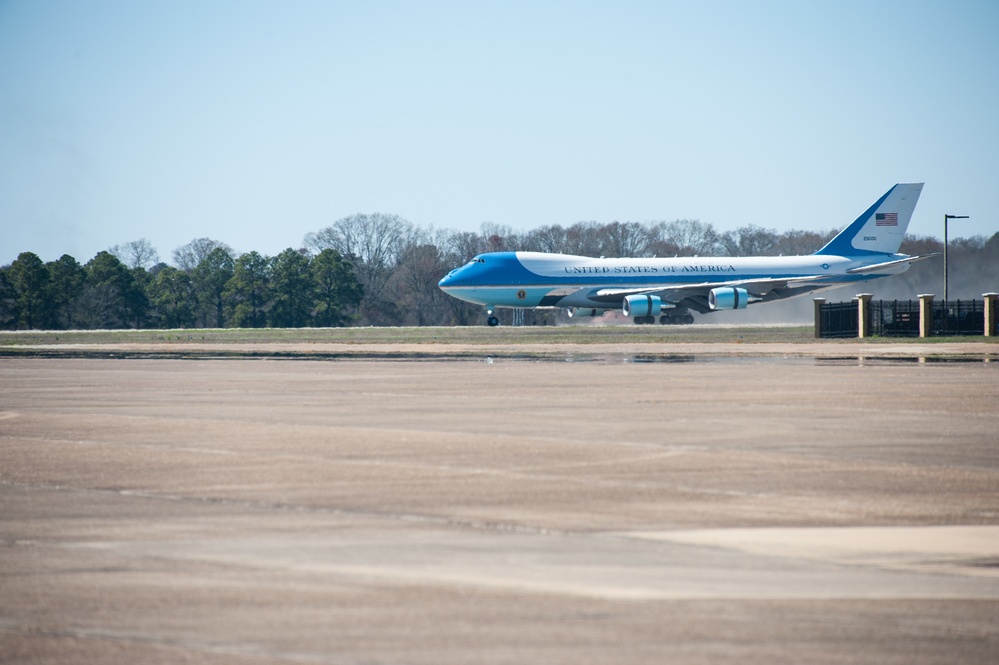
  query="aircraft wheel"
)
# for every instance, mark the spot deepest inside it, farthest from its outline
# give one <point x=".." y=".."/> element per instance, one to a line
<point x="688" y="318"/>
<point x="492" y="321"/>
<point x="664" y="320"/>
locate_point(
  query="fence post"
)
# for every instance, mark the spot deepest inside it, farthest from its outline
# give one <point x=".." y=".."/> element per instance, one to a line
<point x="925" y="314"/>
<point x="819" y="302"/>
<point x="991" y="301"/>
<point x="864" y="314"/>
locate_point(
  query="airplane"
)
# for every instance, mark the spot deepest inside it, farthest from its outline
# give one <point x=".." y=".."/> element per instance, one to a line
<point x="644" y="288"/>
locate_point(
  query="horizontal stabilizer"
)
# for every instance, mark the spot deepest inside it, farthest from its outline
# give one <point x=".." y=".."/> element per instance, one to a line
<point x="888" y="264"/>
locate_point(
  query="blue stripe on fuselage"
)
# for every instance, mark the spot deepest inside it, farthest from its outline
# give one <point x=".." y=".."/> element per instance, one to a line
<point x="505" y="269"/>
<point x="493" y="269"/>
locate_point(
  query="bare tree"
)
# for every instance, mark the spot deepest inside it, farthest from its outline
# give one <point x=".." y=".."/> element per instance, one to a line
<point x="552" y="239"/>
<point x="499" y="237"/>
<point x="799" y="243"/>
<point x="584" y="239"/>
<point x="187" y="257"/>
<point x="136" y="253"/>
<point x="460" y="246"/>
<point x="422" y="266"/>
<point x="749" y="240"/>
<point x="625" y="239"/>
<point x="691" y="237"/>
<point x="374" y="243"/>
<point x="98" y="304"/>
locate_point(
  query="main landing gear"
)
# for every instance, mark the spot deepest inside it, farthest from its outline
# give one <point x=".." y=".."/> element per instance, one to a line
<point x="672" y="318"/>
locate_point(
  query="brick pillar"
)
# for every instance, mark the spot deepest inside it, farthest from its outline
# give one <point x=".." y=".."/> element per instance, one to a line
<point x="864" y="315"/>
<point x="991" y="303"/>
<point x="925" y="314"/>
<point x="819" y="302"/>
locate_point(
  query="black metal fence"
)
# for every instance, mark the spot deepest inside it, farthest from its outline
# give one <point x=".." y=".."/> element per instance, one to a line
<point x="838" y="319"/>
<point x="900" y="318"/>
<point x="894" y="318"/>
<point x="958" y="317"/>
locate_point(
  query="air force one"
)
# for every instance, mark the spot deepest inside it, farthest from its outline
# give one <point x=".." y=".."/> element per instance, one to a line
<point x="671" y="287"/>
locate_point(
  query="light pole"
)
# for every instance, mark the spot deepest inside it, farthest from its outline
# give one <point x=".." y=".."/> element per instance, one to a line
<point x="946" y="218"/>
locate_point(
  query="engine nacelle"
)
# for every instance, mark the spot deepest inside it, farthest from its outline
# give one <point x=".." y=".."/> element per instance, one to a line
<point x="583" y="312"/>
<point x="642" y="305"/>
<point x="728" y="297"/>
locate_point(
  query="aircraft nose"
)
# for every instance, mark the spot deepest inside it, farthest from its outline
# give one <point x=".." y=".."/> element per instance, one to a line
<point x="447" y="280"/>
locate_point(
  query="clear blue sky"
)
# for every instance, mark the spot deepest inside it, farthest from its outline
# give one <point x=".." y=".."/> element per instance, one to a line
<point x="257" y="122"/>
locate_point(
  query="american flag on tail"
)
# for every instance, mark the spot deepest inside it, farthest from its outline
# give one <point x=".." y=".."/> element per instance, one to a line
<point x="886" y="219"/>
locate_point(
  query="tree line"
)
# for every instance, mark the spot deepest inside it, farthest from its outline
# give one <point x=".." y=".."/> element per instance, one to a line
<point x="211" y="288"/>
<point x="374" y="270"/>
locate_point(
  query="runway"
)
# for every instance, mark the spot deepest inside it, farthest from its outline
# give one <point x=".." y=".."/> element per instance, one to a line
<point x="498" y="511"/>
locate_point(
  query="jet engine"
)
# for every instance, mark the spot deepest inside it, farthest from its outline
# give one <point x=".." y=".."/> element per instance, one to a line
<point x="583" y="312"/>
<point x="728" y="297"/>
<point x="642" y="305"/>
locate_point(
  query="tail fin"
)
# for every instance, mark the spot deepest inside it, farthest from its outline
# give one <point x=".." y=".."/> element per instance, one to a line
<point x="881" y="228"/>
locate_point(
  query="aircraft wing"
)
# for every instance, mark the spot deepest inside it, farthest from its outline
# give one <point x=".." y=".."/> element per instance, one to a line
<point x="765" y="288"/>
<point x="758" y="288"/>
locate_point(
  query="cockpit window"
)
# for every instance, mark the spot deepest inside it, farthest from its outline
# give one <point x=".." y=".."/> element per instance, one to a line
<point x="476" y="260"/>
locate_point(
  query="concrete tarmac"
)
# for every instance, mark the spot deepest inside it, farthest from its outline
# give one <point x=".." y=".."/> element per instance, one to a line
<point x="751" y="509"/>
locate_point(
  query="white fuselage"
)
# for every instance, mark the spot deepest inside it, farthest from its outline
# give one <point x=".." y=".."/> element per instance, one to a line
<point x="533" y="279"/>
